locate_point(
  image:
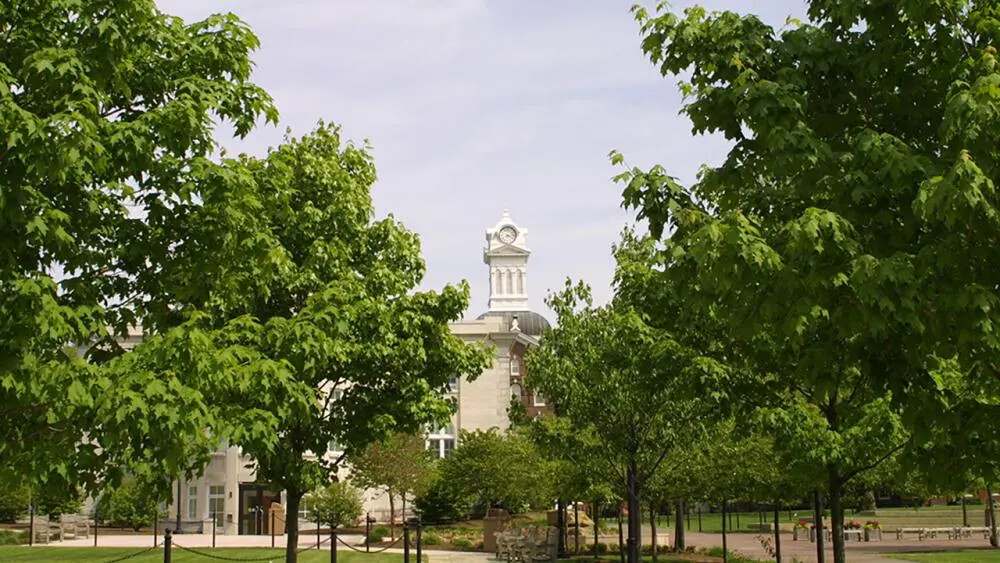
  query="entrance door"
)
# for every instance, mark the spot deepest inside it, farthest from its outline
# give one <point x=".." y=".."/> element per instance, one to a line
<point x="255" y="503"/>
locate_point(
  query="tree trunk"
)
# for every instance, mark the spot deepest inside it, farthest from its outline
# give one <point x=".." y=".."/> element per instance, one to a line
<point x="392" y="516"/>
<point x="725" y="545"/>
<point x="652" y="528"/>
<point x="837" y="515"/>
<point x="679" y="543"/>
<point x="597" y="525"/>
<point x="294" y="498"/>
<point x="777" y="534"/>
<point x="993" y="517"/>
<point x="634" y="515"/>
<point x="561" y="524"/>
<point x="818" y="524"/>
<point x="402" y="499"/>
<point x="621" y="539"/>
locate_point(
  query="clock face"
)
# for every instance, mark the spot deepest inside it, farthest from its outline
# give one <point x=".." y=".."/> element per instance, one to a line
<point x="508" y="234"/>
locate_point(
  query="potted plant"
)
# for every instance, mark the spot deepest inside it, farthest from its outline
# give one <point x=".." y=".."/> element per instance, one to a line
<point x="802" y="528"/>
<point x="873" y="530"/>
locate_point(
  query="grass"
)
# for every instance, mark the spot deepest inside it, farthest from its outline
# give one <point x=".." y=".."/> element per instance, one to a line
<point x="889" y="518"/>
<point x="959" y="556"/>
<point x="102" y="554"/>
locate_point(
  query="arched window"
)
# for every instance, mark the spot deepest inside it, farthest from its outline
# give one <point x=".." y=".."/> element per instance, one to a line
<point x="510" y="281"/>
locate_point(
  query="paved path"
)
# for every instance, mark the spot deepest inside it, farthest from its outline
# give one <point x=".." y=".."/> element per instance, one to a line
<point x="745" y="543"/>
<point x="205" y="541"/>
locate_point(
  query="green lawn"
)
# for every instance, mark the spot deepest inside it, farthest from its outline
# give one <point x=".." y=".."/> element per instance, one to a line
<point x="962" y="556"/>
<point x="99" y="554"/>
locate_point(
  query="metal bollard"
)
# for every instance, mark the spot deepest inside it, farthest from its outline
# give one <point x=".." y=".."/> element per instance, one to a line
<point x="215" y="521"/>
<point x="156" y="523"/>
<point x="333" y="544"/>
<point x="419" y="531"/>
<point x="167" y="543"/>
<point x="317" y="534"/>
<point x="272" y="530"/>
<point x="368" y="531"/>
<point x="95" y="526"/>
<point x="31" y="526"/>
<point x="406" y="542"/>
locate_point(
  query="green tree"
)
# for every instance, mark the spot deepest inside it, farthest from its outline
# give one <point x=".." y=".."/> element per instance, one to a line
<point x="133" y="504"/>
<point x="847" y="229"/>
<point x="491" y="469"/>
<point x="311" y="307"/>
<point x="630" y="385"/>
<point x="107" y="114"/>
<point x="336" y="505"/>
<point x="400" y="465"/>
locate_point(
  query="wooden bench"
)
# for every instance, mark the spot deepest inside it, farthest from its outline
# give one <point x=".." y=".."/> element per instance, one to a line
<point x="903" y="531"/>
<point x="853" y="532"/>
<point x="933" y="532"/>
<point x="73" y="526"/>
<point x="967" y="531"/>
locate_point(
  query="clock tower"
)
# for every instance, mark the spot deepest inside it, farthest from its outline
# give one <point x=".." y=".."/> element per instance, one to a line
<point x="506" y="254"/>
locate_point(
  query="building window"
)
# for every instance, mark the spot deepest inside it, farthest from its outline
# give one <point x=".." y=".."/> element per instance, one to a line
<point x="453" y="384"/>
<point x="539" y="399"/>
<point x="192" y="504"/>
<point x="515" y="365"/>
<point x="217" y="504"/>
<point x="441" y="441"/>
<point x="515" y="392"/>
<point x="304" y="508"/>
<point x="335" y="447"/>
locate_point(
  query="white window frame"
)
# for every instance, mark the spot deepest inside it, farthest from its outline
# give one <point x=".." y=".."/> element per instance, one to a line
<point x="192" y="502"/>
<point x="537" y="399"/>
<point x="515" y="365"/>
<point x="437" y="440"/>
<point x="219" y="516"/>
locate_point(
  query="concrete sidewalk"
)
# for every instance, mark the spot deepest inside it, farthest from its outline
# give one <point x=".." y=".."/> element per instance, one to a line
<point x="305" y="540"/>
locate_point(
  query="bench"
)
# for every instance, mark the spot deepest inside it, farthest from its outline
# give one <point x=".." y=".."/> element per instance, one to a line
<point x="853" y="532"/>
<point x="903" y="531"/>
<point x="72" y="526"/>
<point x="967" y="531"/>
<point x="933" y="532"/>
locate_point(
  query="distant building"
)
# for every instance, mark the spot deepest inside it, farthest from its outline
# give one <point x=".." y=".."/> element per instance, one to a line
<point x="228" y="489"/>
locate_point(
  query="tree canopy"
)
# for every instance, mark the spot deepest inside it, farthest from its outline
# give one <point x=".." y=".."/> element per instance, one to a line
<point x="843" y="242"/>
<point x="108" y="114"/>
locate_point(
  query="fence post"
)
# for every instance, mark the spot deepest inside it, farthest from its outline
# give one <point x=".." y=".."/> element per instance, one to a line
<point x="333" y="544"/>
<point x="368" y="531"/>
<point x="419" y="531"/>
<point x="156" y="522"/>
<point x="272" y="530"/>
<point x="167" y="541"/>
<point x="406" y="542"/>
<point x="317" y="533"/>
<point x="699" y="516"/>
<point x="214" y="524"/>
<point x="95" y="526"/>
<point x="31" y="525"/>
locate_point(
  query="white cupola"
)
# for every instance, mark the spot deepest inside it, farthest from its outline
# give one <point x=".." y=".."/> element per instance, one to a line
<point x="506" y="254"/>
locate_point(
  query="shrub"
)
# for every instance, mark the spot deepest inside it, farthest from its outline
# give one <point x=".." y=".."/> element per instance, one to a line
<point x="430" y="538"/>
<point x="441" y="503"/>
<point x="338" y="504"/>
<point x="377" y="534"/>
<point x="461" y="543"/>
<point x="11" y="537"/>
<point x="13" y="504"/>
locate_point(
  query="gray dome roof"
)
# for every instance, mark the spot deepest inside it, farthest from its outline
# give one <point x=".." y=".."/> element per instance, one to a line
<point x="530" y="322"/>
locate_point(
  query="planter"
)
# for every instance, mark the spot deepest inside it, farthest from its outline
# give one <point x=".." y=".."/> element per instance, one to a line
<point x="873" y="534"/>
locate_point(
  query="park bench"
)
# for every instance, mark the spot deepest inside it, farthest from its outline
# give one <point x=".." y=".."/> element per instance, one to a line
<point x="72" y="526"/>
<point x="42" y="530"/>
<point x="933" y="532"/>
<point x="903" y="531"/>
<point x="854" y="532"/>
<point x="967" y="531"/>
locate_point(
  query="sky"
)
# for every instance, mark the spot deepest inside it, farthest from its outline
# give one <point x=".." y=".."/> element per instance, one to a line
<point x="476" y="106"/>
